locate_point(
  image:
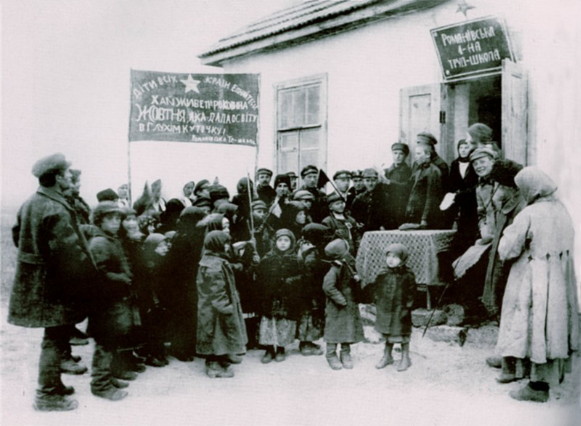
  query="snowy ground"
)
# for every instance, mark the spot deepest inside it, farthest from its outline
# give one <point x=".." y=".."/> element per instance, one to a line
<point x="446" y="385"/>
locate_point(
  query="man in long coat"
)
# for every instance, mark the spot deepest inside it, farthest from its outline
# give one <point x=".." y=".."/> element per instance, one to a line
<point x="53" y="274"/>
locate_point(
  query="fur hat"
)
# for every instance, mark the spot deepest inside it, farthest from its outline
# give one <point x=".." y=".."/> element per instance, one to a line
<point x="103" y="209"/>
<point x="242" y="185"/>
<point x="504" y="171"/>
<point x="398" y="250"/>
<point x="282" y="179"/>
<point x="337" y="249"/>
<point x="50" y="164"/>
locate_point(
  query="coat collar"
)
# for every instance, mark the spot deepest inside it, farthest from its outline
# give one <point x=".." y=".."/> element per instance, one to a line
<point x="55" y="196"/>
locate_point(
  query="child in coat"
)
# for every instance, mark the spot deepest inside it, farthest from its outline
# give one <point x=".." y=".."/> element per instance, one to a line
<point x="342" y="319"/>
<point x="393" y="292"/>
<point x="111" y="320"/>
<point x="221" y="334"/>
<point x="279" y="278"/>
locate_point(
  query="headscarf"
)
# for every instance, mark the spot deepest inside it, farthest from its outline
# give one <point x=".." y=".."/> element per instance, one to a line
<point x="228" y="210"/>
<point x="533" y="184"/>
<point x="283" y="232"/>
<point x="212" y="222"/>
<point x="215" y="241"/>
<point x="189" y="218"/>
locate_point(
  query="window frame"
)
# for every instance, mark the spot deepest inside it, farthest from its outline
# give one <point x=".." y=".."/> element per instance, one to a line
<point x="303" y="82"/>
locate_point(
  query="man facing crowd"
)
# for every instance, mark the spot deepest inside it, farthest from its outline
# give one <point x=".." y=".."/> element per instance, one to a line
<point x="54" y="271"/>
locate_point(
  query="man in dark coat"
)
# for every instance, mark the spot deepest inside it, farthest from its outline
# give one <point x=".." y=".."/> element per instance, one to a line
<point x="399" y="184"/>
<point x="310" y="177"/>
<point x="264" y="191"/>
<point x="53" y="274"/>
<point x="370" y="208"/>
<point x="435" y="159"/>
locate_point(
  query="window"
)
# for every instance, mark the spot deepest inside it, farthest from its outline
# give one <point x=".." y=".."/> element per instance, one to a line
<point x="301" y="124"/>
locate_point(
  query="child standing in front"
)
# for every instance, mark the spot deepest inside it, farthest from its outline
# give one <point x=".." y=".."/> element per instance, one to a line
<point x="279" y="279"/>
<point x="393" y="292"/>
<point x="342" y="319"/>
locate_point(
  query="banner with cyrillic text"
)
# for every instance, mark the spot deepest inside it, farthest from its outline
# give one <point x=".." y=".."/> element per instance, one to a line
<point x="210" y="108"/>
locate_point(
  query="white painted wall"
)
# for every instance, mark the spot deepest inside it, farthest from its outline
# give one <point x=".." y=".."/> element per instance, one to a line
<point x="367" y="68"/>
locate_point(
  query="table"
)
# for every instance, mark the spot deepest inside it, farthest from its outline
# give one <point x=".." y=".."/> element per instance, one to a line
<point x="423" y="247"/>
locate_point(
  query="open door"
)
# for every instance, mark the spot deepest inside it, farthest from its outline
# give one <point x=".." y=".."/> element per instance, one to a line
<point x="514" y="112"/>
<point x="423" y="109"/>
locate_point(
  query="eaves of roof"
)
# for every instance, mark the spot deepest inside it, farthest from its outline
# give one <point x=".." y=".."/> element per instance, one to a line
<point x="307" y="21"/>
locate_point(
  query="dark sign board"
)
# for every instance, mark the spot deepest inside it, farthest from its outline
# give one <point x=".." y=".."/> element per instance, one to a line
<point x="472" y="47"/>
<point x="210" y="108"/>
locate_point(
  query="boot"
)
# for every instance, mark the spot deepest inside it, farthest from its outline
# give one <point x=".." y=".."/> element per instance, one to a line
<point x="215" y="371"/>
<point x="268" y="355"/>
<point x="331" y="355"/>
<point x="527" y="393"/>
<point x="70" y="367"/>
<point x="54" y="403"/>
<point x="346" y="360"/>
<point x="305" y="349"/>
<point x="234" y="359"/>
<point x="119" y="384"/>
<point x="494" y="361"/>
<point x="280" y="354"/>
<point x="508" y="370"/>
<point x="65" y="390"/>
<point x="126" y="375"/>
<point x="405" y="361"/>
<point x="387" y="359"/>
<point x="112" y="394"/>
<point x="316" y="349"/>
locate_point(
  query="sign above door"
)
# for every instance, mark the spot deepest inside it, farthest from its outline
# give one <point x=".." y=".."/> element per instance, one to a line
<point x="472" y="47"/>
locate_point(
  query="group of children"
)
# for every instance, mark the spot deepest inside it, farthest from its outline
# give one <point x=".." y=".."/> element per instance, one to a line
<point x="198" y="291"/>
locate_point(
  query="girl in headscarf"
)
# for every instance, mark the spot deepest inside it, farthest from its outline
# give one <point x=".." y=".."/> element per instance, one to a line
<point x="539" y="318"/>
<point x="220" y="332"/>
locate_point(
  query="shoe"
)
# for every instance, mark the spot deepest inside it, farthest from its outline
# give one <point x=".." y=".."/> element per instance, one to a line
<point x="316" y="349"/>
<point x="506" y="378"/>
<point x="528" y="394"/>
<point x="112" y="394"/>
<point x="154" y="362"/>
<point x="267" y="357"/>
<point x="65" y="390"/>
<point x="71" y="367"/>
<point x="494" y="361"/>
<point x="384" y="362"/>
<point x="126" y="375"/>
<point x="346" y="360"/>
<point x="307" y="350"/>
<point x="219" y="373"/>
<point x="78" y="341"/>
<point x="280" y="356"/>
<point x="54" y="403"/>
<point x="138" y="368"/>
<point x="76" y="358"/>
<point x="334" y="362"/>
<point x="234" y="359"/>
<point x="404" y="364"/>
<point x="119" y="384"/>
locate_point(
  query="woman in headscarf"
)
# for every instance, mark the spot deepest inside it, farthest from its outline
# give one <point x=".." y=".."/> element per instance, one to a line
<point x="183" y="259"/>
<point x="539" y="317"/>
<point x="220" y="331"/>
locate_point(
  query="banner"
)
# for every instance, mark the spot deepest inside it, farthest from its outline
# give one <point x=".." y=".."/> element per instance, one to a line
<point x="210" y="108"/>
<point x="472" y="47"/>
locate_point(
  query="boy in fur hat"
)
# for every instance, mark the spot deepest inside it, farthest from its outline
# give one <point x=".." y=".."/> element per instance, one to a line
<point x="393" y="293"/>
<point x="342" y="320"/>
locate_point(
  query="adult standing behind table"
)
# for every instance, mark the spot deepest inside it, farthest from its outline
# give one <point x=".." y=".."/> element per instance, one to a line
<point x="54" y="272"/>
<point x="398" y="178"/>
<point x="422" y="211"/>
<point x="435" y="159"/>
<point x="370" y="207"/>
<point x="539" y="318"/>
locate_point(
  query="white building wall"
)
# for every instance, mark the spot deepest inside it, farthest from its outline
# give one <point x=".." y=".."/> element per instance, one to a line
<point x="367" y="67"/>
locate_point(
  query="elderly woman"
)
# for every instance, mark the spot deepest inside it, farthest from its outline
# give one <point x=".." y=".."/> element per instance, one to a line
<point x="539" y="317"/>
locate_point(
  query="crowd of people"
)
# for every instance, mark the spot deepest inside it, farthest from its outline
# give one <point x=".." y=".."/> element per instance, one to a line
<point x="209" y="275"/>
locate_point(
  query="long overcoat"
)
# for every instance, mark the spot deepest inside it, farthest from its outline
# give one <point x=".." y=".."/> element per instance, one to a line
<point x="393" y="293"/>
<point x="342" y="318"/>
<point x="54" y="269"/>
<point x="539" y="316"/>
<point x="425" y="196"/>
<point x="221" y="328"/>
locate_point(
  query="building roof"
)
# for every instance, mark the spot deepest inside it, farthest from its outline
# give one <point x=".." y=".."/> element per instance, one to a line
<point x="305" y="21"/>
